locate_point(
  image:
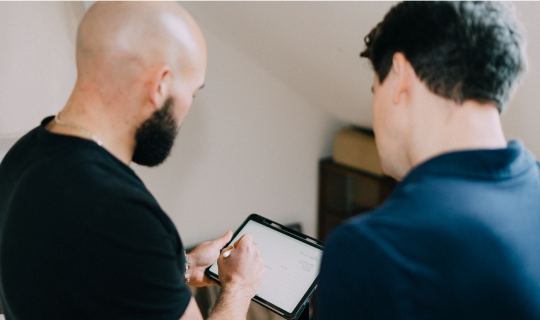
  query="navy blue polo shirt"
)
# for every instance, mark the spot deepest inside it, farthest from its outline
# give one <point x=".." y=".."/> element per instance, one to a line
<point x="459" y="238"/>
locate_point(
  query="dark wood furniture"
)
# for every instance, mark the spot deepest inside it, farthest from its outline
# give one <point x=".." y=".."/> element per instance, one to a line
<point x="345" y="192"/>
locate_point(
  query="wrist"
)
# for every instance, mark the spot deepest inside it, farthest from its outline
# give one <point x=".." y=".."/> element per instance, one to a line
<point x="188" y="267"/>
<point x="235" y="289"/>
<point x="232" y="303"/>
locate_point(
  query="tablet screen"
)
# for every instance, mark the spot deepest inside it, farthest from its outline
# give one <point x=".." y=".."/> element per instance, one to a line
<point x="291" y="265"/>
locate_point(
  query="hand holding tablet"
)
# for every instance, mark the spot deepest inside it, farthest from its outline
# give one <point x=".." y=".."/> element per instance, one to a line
<point x="203" y="256"/>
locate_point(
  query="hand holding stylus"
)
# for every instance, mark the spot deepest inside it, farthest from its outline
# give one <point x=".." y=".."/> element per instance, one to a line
<point x="243" y="270"/>
<point x="228" y="252"/>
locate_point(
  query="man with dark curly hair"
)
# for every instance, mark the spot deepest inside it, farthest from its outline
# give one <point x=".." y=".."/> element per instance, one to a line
<point x="458" y="238"/>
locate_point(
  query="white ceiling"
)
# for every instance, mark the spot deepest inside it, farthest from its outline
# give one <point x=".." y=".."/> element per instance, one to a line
<point x="313" y="47"/>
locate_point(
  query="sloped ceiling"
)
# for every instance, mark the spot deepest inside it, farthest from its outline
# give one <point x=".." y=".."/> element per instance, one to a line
<point x="313" y="47"/>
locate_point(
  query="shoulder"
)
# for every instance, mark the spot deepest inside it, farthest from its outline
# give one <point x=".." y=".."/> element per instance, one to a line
<point x="93" y="227"/>
<point x="83" y="188"/>
<point x="358" y="273"/>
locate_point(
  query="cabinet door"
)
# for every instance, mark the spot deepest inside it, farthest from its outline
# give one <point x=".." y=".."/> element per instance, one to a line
<point x="345" y="192"/>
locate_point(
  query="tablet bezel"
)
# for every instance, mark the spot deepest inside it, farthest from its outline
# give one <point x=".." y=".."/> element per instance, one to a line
<point x="290" y="233"/>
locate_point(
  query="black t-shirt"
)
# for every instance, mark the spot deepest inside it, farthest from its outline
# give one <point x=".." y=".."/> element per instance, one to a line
<point x="82" y="238"/>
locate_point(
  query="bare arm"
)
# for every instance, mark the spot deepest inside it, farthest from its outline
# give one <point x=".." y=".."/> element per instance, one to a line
<point x="240" y="275"/>
<point x="192" y="311"/>
<point x="231" y="304"/>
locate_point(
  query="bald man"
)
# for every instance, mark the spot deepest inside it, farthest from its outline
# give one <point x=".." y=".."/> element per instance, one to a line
<point x="80" y="235"/>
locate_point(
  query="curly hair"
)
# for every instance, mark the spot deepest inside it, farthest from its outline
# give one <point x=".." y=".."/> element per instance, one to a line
<point x="460" y="50"/>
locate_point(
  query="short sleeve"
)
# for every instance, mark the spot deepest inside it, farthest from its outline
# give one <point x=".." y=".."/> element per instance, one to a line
<point x="126" y="263"/>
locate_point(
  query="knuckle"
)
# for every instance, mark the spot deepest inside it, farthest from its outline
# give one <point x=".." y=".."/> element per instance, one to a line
<point x="243" y="249"/>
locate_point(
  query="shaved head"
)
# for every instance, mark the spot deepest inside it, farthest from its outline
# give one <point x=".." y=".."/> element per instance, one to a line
<point x="138" y="67"/>
<point x="122" y="38"/>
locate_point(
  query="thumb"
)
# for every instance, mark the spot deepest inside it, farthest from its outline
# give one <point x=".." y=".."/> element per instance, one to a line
<point x="222" y="241"/>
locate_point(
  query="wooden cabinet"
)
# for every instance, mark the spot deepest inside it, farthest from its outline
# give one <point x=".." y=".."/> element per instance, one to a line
<point x="345" y="192"/>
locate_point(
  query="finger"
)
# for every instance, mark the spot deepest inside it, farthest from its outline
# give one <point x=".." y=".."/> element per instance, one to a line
<point x="246" y="237"/>
<point x="226" y="249"/>
<point x="223" y="240"/>
<point x="239" y="240"/>
<point x="229" y="248"/>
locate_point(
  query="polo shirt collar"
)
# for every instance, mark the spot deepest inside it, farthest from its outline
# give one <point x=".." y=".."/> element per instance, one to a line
<point x="492" y="164"/>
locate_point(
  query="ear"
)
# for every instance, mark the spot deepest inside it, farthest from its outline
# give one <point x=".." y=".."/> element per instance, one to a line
<point x="160" y="86"/>
<point x="403" y="73"/>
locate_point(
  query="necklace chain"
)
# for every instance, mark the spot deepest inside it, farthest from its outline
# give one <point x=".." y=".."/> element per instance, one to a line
<point x="86" y="132"/>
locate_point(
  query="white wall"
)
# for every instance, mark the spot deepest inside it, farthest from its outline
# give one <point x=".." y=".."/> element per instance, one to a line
<point x="313" y="47"/>
<point x="522" y="119"/>
<point x="238" y="151"/>
<point x="37" y="62"/>
<point x="5" y="144"/>
<point x="249" y="144"/>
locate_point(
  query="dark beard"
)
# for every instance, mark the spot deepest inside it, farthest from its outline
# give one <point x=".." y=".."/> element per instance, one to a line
<point x="155" y="137"/>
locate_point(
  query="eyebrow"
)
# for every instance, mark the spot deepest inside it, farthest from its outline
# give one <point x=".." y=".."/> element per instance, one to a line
<point x="371" y="89"/>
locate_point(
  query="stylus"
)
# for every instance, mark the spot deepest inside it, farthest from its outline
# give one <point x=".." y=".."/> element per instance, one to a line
<point x="227" y="253"/>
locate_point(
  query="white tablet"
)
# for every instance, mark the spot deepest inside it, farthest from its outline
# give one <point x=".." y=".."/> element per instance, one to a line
<point x="291" y="260"/>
